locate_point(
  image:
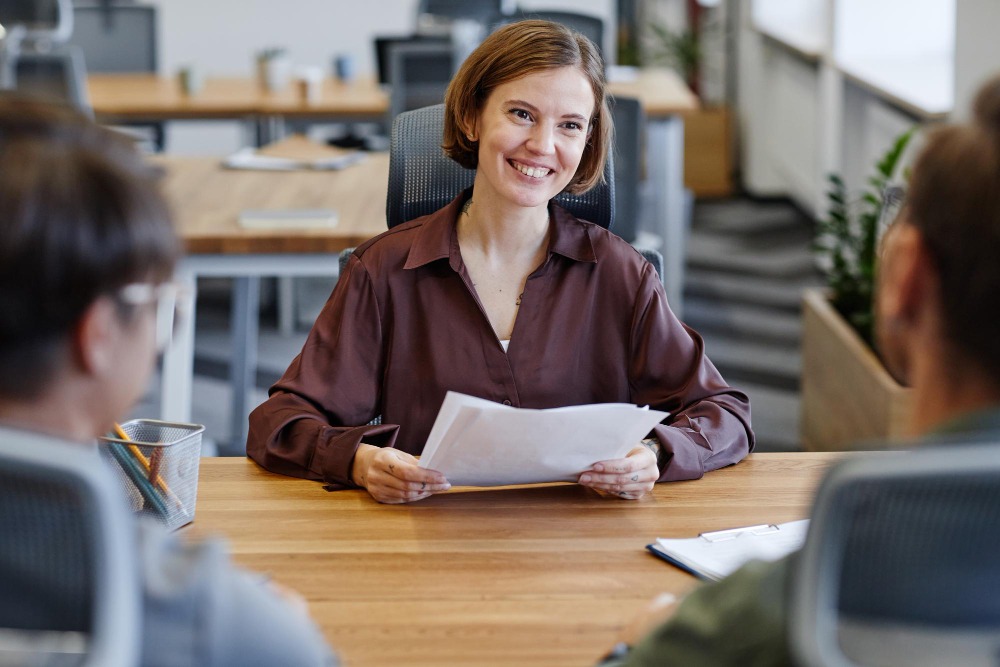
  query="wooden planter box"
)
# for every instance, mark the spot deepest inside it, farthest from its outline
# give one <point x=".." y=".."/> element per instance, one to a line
<point x="708" y="164"/>
<point x="849" y="400"/>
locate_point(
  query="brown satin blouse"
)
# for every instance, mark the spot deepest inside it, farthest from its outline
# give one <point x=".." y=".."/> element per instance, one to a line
<point x="404" y="326"/>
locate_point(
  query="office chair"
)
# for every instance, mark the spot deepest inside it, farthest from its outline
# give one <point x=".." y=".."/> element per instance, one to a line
<point x="71" y="592"/>
<point x="120" y="39"/>
<point x="901" y="563"/>
<point x="591" y="27"/>
<point x="419" y="74"/>
<point x="422" y="179"/>
<point x="629" y="149"/>
<point x="476" y="10"/>
<point x="59" y="75"/>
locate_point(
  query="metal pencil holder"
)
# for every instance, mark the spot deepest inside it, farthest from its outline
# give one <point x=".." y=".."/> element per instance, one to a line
<point x="158" y="467"/>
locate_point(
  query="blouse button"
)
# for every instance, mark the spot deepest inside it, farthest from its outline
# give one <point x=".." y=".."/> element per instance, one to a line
<point x="506" y="402"/>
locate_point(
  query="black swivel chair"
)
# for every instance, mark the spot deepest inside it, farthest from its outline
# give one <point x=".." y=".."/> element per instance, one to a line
<point x="902" y="562"/>
<point x="68" y="574"/>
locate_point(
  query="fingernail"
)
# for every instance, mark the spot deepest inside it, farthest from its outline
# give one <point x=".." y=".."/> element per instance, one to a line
<point x="447" y="486"/>
<point x="599" y="467"/>
<point x="584" y="479"/>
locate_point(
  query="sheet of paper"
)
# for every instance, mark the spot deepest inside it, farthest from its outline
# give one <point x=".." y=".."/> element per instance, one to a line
<point x="475" y="442"/>
<point x="719" y="559"/>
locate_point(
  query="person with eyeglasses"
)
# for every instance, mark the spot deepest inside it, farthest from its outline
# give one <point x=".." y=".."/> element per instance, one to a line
<point x="937" y="325"/>
<point x="87" y="249"/>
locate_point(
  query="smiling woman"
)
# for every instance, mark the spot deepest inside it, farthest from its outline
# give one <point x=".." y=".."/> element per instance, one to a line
<point x="503" y="295"/>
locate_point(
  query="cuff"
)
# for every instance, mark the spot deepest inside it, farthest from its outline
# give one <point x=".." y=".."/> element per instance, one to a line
<point x="335" y="455"/>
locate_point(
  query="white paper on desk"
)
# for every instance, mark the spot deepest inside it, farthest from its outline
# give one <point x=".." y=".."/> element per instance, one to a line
<point x="248" y="158"/>
<point x="475" y="442"/>
<point x="717" y="560"/>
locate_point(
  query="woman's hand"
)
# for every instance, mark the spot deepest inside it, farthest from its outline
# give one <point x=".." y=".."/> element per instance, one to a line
<point x="630" y="478"/>
<point x="392" y="476"/>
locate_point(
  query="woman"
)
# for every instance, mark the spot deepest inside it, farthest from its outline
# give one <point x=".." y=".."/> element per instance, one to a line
<point x="86" y="249"/>
<point x="502" y="295"/>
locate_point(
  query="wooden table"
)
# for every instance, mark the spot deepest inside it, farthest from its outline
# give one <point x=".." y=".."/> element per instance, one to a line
<point x="207" y="199"/>
<point x="662" y="93"/>
<point x="530" y="575"/>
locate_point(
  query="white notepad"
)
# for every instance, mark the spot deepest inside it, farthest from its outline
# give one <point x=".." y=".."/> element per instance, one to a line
<point x="248" y="158"/>
<point x="718" y="554"/>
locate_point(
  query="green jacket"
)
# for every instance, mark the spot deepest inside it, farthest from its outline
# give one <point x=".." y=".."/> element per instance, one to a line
<point x="742" y="620"/>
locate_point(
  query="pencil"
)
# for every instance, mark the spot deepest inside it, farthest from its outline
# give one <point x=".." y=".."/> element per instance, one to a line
<point x="147" y="466"/>
<point x="131" y="468"/>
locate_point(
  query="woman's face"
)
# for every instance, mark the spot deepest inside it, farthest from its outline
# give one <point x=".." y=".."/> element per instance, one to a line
<point x="532" y="132"/>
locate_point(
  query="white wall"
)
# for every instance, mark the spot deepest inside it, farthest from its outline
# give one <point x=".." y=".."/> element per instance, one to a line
<point x="221" y="37"/>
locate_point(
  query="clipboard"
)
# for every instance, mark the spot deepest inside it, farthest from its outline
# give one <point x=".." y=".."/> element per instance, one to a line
<point x="717" y="554"/>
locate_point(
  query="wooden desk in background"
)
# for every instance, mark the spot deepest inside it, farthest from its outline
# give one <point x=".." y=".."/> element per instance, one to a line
<point x="663" y="95"/>
<point x="541" y="575"/>
<point x="207" y="199"/>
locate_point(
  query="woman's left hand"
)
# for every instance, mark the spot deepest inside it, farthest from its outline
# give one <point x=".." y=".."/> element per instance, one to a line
<point x="630" y="478"/>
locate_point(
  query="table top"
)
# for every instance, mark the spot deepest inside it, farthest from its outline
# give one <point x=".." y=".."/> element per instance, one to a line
<point x="150" y="97"/>
<point x="207" y="199"/>
<point x="545" y="574"/>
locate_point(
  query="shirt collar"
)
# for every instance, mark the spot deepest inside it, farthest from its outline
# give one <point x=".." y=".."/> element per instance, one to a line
<point x="437" y="235"/>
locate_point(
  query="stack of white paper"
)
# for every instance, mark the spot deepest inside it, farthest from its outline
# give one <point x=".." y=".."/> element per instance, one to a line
<point x="475" y="442"/>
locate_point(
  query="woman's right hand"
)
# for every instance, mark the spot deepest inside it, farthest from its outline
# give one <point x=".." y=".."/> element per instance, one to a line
<point x="392" y="476"/>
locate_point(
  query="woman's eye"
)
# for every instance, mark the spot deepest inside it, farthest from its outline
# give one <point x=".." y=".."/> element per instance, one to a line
<point x="521" y="113"/>
<point x="573" y="126"/>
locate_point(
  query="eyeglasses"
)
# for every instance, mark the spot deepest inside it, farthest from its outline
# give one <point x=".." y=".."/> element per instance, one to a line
<point x="893" y="197"/>
<point x="173" y="305"/>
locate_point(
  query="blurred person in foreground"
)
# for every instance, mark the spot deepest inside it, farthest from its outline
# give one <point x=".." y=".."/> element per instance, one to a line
<point x="87" y="250"/>
<point x="938" y="330"/>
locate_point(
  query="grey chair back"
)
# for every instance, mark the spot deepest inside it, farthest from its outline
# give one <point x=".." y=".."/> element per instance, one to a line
<point x="419" y="74"/>
<point x="476" y="10"/>
<point x="630" y="120"/>
<point x="591" y="27"/>
<point x="59" y="75"/>
<point x="70" y="585"/>
<point x="902" y="562"/>
<point x="116" y="38"/>
<point x="422" y="179"/>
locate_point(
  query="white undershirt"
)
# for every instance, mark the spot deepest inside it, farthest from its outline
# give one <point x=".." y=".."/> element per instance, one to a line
<point x="504" y="344"/>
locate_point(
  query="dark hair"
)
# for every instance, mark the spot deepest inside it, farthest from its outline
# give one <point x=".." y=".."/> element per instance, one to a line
<point x="511" y="52"/>
<point x="953" y="198"/>
<point x="80" y="217"/>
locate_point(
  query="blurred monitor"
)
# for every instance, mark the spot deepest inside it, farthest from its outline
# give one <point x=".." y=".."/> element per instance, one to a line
<point x="384" y="44"/>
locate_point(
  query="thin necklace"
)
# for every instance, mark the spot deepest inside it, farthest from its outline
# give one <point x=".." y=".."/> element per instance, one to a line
<point x="465" y="211"/>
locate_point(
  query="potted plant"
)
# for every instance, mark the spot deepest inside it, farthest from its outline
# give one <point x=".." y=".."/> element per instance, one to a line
<point x="708" y="168"/>
<point x="848" y="397"/>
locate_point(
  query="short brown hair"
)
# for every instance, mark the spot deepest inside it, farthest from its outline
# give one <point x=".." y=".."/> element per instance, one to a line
<point x="81" y="216"/>
<point x="511" y="52"/>
<point x="953" y="199"/>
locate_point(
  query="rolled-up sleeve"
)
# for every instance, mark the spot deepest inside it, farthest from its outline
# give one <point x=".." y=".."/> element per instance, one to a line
<point x="317" y="414"/>
<point x="709" y="423"/>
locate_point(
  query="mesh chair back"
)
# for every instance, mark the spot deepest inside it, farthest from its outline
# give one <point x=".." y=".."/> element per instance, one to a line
<point x="906" y="544"/>
<point x="419" y="74"/>
<point x="477" y="10"/>
<point x="422" y="179"/>
<point x="629" y="121"/>
<point x="591" y="27"/>
<point x="116" y="38"/>
<point x="67" y="561"/>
